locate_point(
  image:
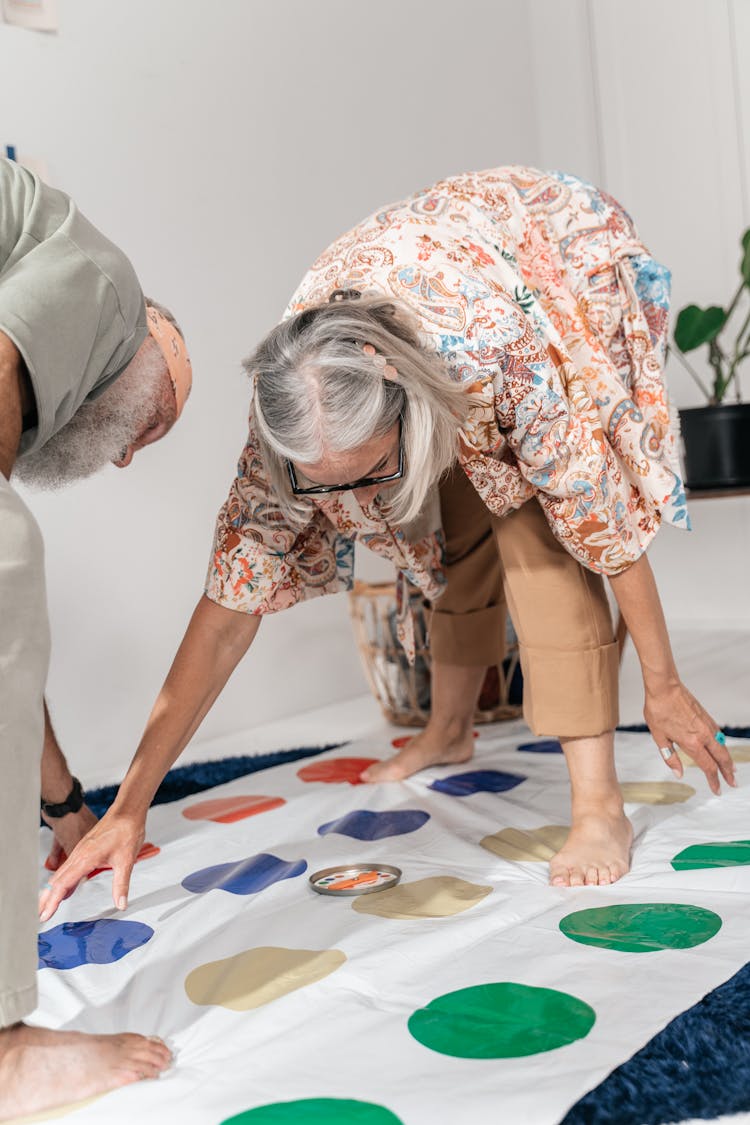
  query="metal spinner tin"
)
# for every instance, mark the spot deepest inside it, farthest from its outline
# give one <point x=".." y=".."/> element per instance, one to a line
<point x="354" y="879"/>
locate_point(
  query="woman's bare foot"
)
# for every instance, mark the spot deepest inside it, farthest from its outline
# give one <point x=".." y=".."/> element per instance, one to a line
<point x="41" y="1069"/>
<point x="436" y="745"/>
<point x="597" y="850"/>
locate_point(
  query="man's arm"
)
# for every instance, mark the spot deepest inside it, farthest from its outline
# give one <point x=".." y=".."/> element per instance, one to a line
<point x="57" y="782"/>
<point x="57" y="779"/>
<point x="14" y="403"/>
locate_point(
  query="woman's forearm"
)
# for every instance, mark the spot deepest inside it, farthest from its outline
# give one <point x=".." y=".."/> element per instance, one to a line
<point x="640" y="605"/>
<point x="215" y="641"/>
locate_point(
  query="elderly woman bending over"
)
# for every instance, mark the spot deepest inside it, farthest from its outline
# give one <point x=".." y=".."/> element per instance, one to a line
<point x="469" y="383"/>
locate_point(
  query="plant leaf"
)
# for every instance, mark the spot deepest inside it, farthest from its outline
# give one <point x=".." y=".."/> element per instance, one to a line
<point x="745" y="263"/>
<point x="696" y="326"/>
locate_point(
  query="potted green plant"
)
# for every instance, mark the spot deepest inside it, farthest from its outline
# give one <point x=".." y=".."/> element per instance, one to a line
<point x="717" y="436"/>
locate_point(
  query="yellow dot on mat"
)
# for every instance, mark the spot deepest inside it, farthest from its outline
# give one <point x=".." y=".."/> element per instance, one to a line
<point x="533" y="845"/>
<point x="739" y="753"/>
<point x="655" y="792"/>
<point x="439" y="896"/>
<point x="257" y="976"/>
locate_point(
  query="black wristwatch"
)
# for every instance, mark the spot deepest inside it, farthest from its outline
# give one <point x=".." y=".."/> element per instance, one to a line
<point x="72" y="803"/>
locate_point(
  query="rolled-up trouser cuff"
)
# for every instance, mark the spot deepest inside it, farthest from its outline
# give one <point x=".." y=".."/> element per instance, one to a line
<point x="17" y="1005"/>
<point x="570" y="695"/>
<point x="471" y="640"/>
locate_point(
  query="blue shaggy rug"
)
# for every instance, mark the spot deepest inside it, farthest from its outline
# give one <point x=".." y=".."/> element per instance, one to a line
<point x="697" y="1067"/>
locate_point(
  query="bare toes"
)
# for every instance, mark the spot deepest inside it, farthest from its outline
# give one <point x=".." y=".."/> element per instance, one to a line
<point x="592" y="877"/>
<point x="159" y="1043"/>
<point x="560" y="877"/>
<point x="152" y="1057"/>
<point x="125" y="1075"/>
<point x="576" y="877"/>
<point x="140" y="1072"/>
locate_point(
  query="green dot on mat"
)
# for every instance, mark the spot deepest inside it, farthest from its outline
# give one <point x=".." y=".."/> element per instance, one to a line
<point x="501" y="1021"/>
<point x="723" y="853"/>
<point x="642" y="927"/>
<point x="316" y="1111"/>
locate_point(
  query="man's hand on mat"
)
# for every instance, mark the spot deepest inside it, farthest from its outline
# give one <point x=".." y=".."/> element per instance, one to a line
<point x="115" y="842"/>
<point x="69" y="830"/>
<point x="676" y="719"/>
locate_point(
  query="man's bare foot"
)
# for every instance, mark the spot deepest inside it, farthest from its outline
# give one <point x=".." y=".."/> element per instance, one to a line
<point x="597" y="850"/>
<point x="434" y="746"/>
<point x="41" y="1069"/>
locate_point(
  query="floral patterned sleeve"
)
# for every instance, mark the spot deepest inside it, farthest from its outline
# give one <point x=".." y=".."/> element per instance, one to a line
<point x="597" y="452"/>
<point x="260" y="564"/>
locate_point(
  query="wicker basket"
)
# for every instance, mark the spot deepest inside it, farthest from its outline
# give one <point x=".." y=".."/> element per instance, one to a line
<point x="401" y="689"/>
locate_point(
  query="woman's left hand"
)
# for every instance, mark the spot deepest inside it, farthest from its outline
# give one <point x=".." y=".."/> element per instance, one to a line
<point x="676" y="719"/>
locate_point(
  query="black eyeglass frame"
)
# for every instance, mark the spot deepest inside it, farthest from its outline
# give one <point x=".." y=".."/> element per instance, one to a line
<point x="363" y="482"/>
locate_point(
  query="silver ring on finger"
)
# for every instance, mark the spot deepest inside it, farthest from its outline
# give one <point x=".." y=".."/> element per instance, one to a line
<point x="666" y="752"/>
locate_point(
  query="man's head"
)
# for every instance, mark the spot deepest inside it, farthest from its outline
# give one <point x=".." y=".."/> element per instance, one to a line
<point x="139" y="408"/>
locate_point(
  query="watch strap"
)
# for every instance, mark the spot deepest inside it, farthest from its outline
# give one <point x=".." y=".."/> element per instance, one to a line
<point x="72" y="803"/>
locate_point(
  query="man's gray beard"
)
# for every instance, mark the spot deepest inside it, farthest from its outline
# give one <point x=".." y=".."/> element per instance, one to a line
<point x="98" y="433"/>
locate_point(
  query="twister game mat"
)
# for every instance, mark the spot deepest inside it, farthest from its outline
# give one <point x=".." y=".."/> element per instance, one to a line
<point x="471" y="991"/>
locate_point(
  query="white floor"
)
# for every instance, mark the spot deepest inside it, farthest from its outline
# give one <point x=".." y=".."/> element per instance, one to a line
<point x="714" y="665"/>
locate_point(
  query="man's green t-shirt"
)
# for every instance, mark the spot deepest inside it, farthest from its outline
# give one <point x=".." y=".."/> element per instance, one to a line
<point x="69" y="300"/>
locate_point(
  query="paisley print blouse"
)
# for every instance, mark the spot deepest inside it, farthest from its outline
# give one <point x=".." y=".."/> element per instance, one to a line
<point x="550" y="312"/>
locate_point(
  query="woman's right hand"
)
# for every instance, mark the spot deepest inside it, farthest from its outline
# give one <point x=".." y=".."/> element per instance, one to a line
<point x="215" y="641"/>
<point x="115" y="842"/>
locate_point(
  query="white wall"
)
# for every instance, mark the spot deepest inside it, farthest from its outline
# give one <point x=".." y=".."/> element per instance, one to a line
<point x="652" y="101"/>
<point x="223" y="146"/>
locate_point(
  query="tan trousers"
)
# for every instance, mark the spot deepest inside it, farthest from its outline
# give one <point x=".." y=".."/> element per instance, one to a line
<point x="24" y="656"/>
<point x="558" y="608"/>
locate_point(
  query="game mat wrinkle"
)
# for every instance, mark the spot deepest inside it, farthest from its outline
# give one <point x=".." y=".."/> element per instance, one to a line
<point x="370" y="1014"/>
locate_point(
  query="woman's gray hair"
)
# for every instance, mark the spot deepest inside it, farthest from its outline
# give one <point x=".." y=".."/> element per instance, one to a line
<point x="316" y="390"/>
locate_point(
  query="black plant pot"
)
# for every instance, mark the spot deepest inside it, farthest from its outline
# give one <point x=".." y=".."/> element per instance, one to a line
<point x="717" y="446"/>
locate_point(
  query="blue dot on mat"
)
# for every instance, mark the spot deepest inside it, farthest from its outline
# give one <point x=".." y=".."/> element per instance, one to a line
<point x="246" y="876"/>
<point x="477" y="781"/>
<point x="542" y="746"/>
<point x="364" y="825"/>
<point x="100" y="942"/>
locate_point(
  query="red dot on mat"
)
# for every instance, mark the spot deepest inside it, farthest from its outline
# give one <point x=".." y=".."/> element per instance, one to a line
<point x="225" y="810"/>
<point x="401" y="741"/>
<point x="146" y="852"/>
<point x="337" y="769"/>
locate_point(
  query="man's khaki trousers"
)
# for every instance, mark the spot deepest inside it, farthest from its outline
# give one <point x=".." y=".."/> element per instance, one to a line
<point x="559" y="610"/>
<point x="24" y="657"/>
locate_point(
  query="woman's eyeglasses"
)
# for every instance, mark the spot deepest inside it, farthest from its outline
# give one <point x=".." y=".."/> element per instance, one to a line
<point x="363" y="482"/>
